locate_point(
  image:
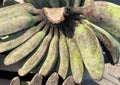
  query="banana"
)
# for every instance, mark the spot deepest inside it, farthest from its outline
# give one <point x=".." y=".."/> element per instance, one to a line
<point x="53" y="79"/>
<point x="17" y="54"/>
<point x="38" y="55"/>
<point x="64" y="57"/>
<point x="105" y="15"/>
<point x="64" y="3"/>
<point x="108" y="40"/>
<point x="90" y="50"/>
<point x="53" y="3"/>
<point x="68" y="81"/>
<point x="18" y="9"/>
<point x="25" y="21"/>
<point x="15" y="81"/>
<point x="36" y="80"/>
<point x="76" y="62"/>
<point x="52" y="55"/>
<point x="18" y="38"/>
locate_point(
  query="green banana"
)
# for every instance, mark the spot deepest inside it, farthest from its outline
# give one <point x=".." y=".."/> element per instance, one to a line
<point x="53" y="3"/>
<point x="111" y="44"/>
<point x="38" y="55"/>
<point x="107" y="41"/>
<point x="25" y="21"/>
<point x="36" y="80"/>
<point x="90" y="50"/>
<point x="52" y="55"/>
<point x="18" y="9"/>
<point x="18" y="38"/>
<point x="15" y="81"/>
<point x="105" y="15"/>
<point x="17" y="54"/>
<point x="64" y="57"/>
<point x="76" y="62"/>
<point x="53" y="79"/>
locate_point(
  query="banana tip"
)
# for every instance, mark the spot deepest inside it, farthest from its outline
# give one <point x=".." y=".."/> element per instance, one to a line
<point x="20" y="72"/>
<point x="7" y="62"/>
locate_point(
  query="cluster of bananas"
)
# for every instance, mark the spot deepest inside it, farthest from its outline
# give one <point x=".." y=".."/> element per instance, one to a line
<point x="38" y="79"/>
<point x="72" y="46"/>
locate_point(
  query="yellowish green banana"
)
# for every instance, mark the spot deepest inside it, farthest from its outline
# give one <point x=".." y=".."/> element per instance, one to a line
<point x="90" y="50"/>
<point x="64" y="57"/>
<point x="52" y="55"/>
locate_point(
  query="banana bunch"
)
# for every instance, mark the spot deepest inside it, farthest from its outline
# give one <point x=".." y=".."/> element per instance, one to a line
<point x="68" y="40"/>
<point x="53" y="79"/>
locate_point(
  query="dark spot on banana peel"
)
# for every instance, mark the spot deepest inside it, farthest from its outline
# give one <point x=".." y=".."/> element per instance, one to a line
<point x="96" y="13"/>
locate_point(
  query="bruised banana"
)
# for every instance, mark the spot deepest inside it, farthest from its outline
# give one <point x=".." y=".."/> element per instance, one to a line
<point x="23" y="22"/>
<point x="64" y="57"/>
<point x="52" y="55"/>
<point x="18" y="9"/>
<point x="90" y="51"/>
<point x="17" y="54"/>
<point x="76" y="62"/>
<point x="38" y="55"/>
<point x="18" y="38"/>
<point x="105" y="15"/>
<point x="110" y="42"/>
